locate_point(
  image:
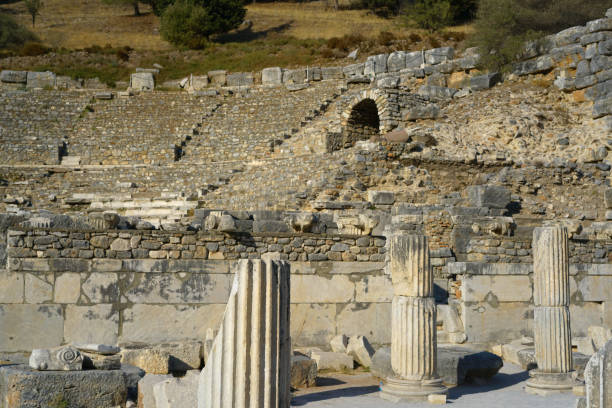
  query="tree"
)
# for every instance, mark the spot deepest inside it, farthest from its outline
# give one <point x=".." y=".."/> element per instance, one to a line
<point x="133" y="3"/>
<point x="159" y="6"/>
<point x="33" y="7"/>
<point x="12" y="34"/>
<point x="190" y="23"/>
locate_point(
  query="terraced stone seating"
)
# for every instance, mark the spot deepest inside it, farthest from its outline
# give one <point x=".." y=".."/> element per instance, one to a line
<point x="142" y="129"/>
<point x="33" y="125"/>
<point x="248" y="125"/>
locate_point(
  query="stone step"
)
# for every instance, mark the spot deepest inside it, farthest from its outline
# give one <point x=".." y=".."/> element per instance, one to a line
<point x="155" y="212"/>
<point x="71" y="160"/>
<point x="144" y="204"/>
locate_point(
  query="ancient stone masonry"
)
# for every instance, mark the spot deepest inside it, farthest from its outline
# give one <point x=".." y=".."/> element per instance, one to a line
<point x="597" y="376"/>
<point x="552" y="336"/>
<point x="413" y="335"/>
<point x="249" y="364"/>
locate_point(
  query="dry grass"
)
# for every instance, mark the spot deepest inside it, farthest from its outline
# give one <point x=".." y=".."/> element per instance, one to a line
<point x="315" y="20"/>
<point x="76" y="24"/>
<point x="81" y="23"/>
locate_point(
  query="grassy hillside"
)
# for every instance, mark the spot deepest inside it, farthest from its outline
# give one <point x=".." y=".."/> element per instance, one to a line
<point x="284" y="34"/>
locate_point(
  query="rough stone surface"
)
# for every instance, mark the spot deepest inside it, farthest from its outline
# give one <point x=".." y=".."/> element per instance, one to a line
<point x="26" y="388"/>
<point x="177" y="391"/>
<point x="360" y="349"/>
<point x="303" y="371"/>
<point x="64" y="358"/>
<point x="488" y="196"/>
<point x="146" y="398"/>
<point x="332" y="361"/>
<point x="339" y="343"/>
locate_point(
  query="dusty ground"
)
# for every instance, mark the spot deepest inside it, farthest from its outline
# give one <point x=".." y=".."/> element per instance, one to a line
<point x="505" y="390"/>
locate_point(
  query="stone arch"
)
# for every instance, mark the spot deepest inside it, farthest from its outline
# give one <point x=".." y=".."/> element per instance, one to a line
<point x="367" y="116"/>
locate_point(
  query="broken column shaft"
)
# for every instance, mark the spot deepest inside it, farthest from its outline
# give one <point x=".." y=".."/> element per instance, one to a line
<point x="552" y="335"/>
<point x="413" y="331"/>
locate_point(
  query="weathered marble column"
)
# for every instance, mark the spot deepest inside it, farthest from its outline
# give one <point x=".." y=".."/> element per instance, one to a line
<point x="249" y="363"/>
<point x="552" y="335"/>
<point x="413" y="330"/>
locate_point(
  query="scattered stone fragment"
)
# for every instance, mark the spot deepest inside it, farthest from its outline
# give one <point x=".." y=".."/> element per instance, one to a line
<point x="339" y="343"/>
<point x="64" y="358"/>
<point x="303" y="371"/>
<point x="360" y="349"/>
<point x="332" y="361"/>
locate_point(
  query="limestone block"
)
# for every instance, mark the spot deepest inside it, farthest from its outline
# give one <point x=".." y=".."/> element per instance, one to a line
<point x="177" y="391"/>
<point x="488" y="196"/>
<point x="360" y="349"/>
<point x="38" y="289"/>
<point x="91" y="324"/>
<point x="608" y="197"/>
<point x="93" y="361"/>
<point x="353" y="70"/>
<point x="240" y="79"/>
<point x="332" y="361"/>
<point x="339" y="343"/>
<point x="227" y="223"/>
<point x="436" y="92"/>
<point x="142" y="81"/>
<point x="585" y="345"/>
<point x="496" y="323"/>
<point x="428" y="111"/>
<point x="328" y="73"/>
<point x="67" y="288"/>
<point x="179" y="288"/>
<point x="374" y="289"/>
<point x="438" y="55"/>
<point x="603" y="24"/>
<point x="597" y="377"/>
<point x="486" y="81"/>
<point x="151" y="360"/>
<point x="65" y="358"/>
<point x="272" y="76"/>
<point x="197" y="83"/>
<point x="100" y="287"/>
<point x="490" y="288"/>
<point x="336" y="289"/>
<point x="396" y="61"/>
<point x="303" y="371"/>
<point x="602" y="108"/>
<point x="171" y="323"/>
<point x="25" y="387"/>
<point x="31" y="326"/>
<point x="146" y="397"/>
<point x="12" y="284"/>
<point x="14" y="77"/>
<point x="351" y="317"/>
<point x="376" y="64"/>
<point x="415" y="59"/>
<point x="312" y="324"/>
<point x="534" y="66"/>
<point x="217" y="77"/>
<point x="381" y="197"/>
<point x="120" y="244"/>
<point x="40" y="80"/>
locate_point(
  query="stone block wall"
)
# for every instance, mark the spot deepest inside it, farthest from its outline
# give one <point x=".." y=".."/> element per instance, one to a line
<point x="156" y="286"/>
<point x="497" y="299"/>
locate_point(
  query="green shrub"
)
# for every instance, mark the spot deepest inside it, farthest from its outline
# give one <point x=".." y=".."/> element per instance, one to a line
<point x="433" y="15"/>
<point x="190" y="23"/>
<point x="159" y="6"/>
<point x="382" y="8"/>
<point x="13" y="35"/>
<point x="347" y="42"/>
<point x="503" y="26"/>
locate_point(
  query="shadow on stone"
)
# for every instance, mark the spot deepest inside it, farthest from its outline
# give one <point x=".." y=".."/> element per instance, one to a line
<point x="325" y="395"/>
<point x="500" y="381"/>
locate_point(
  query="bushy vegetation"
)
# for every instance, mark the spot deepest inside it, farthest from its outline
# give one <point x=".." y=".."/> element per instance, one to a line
<point x="13" y="35"/>
<point x="190" y="23"/>
<point x="503" y="26"/>
<point x="433" y="15"/>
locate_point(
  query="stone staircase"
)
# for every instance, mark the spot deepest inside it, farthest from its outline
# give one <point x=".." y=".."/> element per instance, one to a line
<point x="157" y="209"/>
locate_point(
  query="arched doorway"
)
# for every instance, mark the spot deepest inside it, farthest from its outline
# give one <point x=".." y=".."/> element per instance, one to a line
<point x="363" y="122"/>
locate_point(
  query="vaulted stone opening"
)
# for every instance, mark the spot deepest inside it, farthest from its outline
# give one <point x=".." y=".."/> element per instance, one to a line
<point x="363" y="123"/>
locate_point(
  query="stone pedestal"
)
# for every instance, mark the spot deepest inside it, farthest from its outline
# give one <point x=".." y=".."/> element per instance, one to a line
<point x="552" y="336"/>
<point x="413" y="331"/>
<point x="249" y="364"/>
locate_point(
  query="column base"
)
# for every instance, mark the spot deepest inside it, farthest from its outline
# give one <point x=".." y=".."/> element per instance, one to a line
<point x="398" y="390"/>
<point x="550" y="383"/>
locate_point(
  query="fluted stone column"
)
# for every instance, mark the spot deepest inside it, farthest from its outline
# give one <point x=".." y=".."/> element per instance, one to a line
<point x="413" y="330"/>
<point x="249" y="363"/>
<point x="552" y="335"/>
